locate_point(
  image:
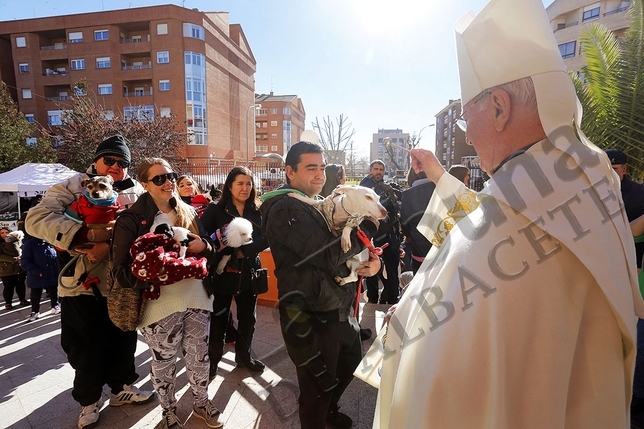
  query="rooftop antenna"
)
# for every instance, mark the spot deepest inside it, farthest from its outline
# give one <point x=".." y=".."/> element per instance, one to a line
<point x="271" y="84"/>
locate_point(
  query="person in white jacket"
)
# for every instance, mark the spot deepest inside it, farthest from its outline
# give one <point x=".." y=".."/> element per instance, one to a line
<point x="523" y="314"/>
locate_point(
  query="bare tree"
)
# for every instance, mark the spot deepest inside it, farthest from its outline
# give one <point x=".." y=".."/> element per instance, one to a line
<point x="335" y="137"/>
<point x="399" y="158"/>
<point x="87" y="123"/>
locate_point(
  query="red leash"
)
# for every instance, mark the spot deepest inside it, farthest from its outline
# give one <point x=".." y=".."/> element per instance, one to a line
<point x="375" y="250"/>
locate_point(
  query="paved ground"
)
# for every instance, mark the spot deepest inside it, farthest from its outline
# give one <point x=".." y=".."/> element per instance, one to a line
<point x="36" y="381"/>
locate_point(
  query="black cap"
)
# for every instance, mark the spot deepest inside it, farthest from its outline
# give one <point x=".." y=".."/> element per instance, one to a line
<point x="114" y="146"/>
<point x="616" y="156"/>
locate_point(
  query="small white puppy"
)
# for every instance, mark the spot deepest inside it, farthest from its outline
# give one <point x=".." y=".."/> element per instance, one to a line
<point x="236" y="234"/>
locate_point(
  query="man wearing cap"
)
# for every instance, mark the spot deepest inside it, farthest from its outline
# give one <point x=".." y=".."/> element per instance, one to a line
<point x="523" y="314"/>
<point x="98" y="351"/>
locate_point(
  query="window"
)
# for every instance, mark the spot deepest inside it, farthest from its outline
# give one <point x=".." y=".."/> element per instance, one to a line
<point x="273" y="123"/>
<point x="262" y="148"/>
<point x="139" y="113"/>
<point x="162" y="29"/>
<point x="26" y="93"/>
<point x="261" y="112"/>
<point x="108" y="115"/>
<point x="30" y="118"/>
<point x="80" y="90"/>
<point x="164" y="85"/>
<point x="78" y="64"/>
<point x="76" y="37"/>
<point x="54" y="118"/>
<point x="193" y="30"/>
<point x="273" y="148"/>
<point x="567" y="50"/>
<point x="103" y="63"/>
<point x="23" y="68"/>
<point x="164" y="112"/>
<point x="139" y="91"/>
<point x="31" y="141"/>
<point x="591" y="14"/>
<point x="163" y="57"/>
<point x="104" y="89"/>
<point x="100" y="35"/>
<point x="273" y="111"/>
<point x="21" y="42"/>
<point x="286" y="111"/>
<point x="273" y="136"/>
<point x="136" y="39"/>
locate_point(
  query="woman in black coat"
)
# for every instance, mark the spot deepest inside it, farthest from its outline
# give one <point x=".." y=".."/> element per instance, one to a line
<point x="239" y="199"/>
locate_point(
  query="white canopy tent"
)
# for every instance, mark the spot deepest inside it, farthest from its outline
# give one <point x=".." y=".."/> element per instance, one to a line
<point x="33" y="179"/>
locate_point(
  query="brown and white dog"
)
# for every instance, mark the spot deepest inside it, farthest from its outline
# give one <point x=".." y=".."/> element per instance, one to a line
<point x="344" y="209"/>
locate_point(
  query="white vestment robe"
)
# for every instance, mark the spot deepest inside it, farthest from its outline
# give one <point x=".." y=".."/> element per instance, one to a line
<point x="523" y="314"/>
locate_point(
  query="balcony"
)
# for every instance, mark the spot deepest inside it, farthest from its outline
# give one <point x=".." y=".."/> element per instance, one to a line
<point x="55" y="52"/>
<point x="59" y="98"/>
<point x="618" y="10"/>
<point x="137" y="94"/>
<point x="566" y="25"/>
<point x="137" y="67"/>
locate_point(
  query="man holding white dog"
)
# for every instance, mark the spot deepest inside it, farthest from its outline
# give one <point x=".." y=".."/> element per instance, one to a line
<point x="99" y="352"/>
<point x="316" y="314"/>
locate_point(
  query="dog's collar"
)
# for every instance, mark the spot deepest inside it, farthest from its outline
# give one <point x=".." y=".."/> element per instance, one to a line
<point x="105" y="202"/>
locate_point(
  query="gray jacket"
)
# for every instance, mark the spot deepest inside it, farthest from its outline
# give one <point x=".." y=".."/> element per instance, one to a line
<point x="47" y="221"/>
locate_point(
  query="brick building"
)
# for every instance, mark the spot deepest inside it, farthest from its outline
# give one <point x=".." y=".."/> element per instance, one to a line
<point x="140" y="61"/>
<point x="279" y="123"/>
<point x="451" y="146"/>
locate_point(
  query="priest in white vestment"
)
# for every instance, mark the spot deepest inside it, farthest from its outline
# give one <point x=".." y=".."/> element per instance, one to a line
<point x="523" y="314"/>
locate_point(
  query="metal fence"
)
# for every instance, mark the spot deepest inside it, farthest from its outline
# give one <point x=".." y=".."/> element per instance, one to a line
<point x="268" y="176"/>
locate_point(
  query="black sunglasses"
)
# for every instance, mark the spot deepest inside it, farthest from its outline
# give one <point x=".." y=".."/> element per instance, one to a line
<point x="160" y="179"/>
<point x="120" y="162"/>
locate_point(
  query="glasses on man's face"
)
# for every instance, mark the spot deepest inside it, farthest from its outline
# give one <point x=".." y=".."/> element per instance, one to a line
<point x="160" y="179"/>
<point x="461" y="121"/>
<point x="120" y="162"/>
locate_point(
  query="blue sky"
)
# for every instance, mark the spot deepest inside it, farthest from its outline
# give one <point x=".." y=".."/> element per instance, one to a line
<point x="381" y="63"/>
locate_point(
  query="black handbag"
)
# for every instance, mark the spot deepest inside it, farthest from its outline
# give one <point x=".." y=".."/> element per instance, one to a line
<point x="259" y="280"/>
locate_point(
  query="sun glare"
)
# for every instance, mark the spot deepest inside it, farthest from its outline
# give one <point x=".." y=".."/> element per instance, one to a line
<point x="381" y="16"/>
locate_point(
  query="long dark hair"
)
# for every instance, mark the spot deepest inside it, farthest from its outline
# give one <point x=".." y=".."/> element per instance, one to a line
<point x="252" y="202"/>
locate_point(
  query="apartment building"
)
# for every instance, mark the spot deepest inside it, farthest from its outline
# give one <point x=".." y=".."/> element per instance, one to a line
<point x="393" y="157"/>
<point x="139" y="62"/>
<point x="451" y="147"/>
<point x="279" y="123"/>
<point x="570" y="17"/>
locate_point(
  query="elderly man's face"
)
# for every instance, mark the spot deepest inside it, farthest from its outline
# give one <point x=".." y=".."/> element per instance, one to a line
<point x="480" y="130"/>
<point x="113" y="170"/>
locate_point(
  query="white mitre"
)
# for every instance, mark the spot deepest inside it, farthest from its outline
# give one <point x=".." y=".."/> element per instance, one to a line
<point x="513" y="39"/>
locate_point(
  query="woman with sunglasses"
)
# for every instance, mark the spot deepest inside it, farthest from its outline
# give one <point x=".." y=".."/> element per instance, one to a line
<point x="334" y="177"/>
<point x="239" y="199"/>
<point x="179" y="320"/>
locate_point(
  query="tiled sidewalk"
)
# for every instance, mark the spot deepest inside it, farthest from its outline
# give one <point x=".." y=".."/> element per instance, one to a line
<point x="36" y="381"/>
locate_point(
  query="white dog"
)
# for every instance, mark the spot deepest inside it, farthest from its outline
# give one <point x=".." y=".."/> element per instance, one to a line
<point x="344" y="210"/>
<point x="236" y="234"/>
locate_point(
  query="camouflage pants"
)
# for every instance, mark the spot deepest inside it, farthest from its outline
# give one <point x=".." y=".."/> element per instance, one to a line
<point x="186" y="332"/>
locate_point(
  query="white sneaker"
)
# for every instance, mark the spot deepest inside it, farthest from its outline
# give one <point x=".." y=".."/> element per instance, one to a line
<point x="33" y="316"/>
<point x="131" y="395"/>
<point x="89" y="414"/>
<point x="55" y="310"/>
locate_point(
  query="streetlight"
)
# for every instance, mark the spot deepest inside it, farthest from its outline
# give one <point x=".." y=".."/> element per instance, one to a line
<point x="254" y="106"/>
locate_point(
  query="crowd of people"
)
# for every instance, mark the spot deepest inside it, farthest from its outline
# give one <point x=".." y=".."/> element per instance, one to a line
<point x="513" y="307"/>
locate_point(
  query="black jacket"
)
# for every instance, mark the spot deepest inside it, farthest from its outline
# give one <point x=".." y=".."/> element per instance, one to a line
<point x="220" y="214"/>
<point x="131" y="224"/>
<point x="308" y="256"/>
<point x="414" y="204"/>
